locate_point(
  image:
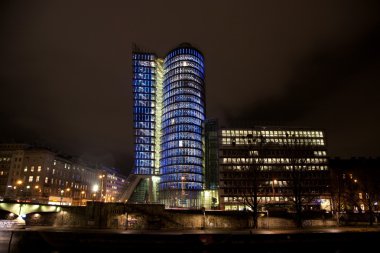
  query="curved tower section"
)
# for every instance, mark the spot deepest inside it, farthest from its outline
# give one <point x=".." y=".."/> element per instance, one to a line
<point x="183" y="114"/>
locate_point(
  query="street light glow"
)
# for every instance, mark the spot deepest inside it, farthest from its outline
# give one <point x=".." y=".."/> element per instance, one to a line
<point x="95" y="188"/>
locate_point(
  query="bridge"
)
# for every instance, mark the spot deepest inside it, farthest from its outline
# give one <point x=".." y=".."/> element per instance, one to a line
<point x="22" y="209"/>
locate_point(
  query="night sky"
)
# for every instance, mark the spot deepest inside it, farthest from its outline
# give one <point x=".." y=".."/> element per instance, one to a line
<point x="65" y="68"/>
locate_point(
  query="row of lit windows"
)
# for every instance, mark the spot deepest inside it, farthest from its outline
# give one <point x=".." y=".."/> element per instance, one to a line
<point x="285" y="191"/>
<point x="320" y="153"/>
<point x="144" y="147"/>
<point x="144" y="155"/>
<point x="182" y="91"/>
<point x="234" y="199"/>
<point x="144" y="96"/>
<point x="259" y="199"/>
<point x="181" y="136"/>
<point x="144" y="117"/>
<point x="181" y="168"/>
<point x="182" y="120"/>
<point x="5" y="159"/>
<point x="182" y="84"/>
<point x="273" y="160"/>
<point x="144" y="63"/>
<point x="66" y="184"/>
<point x="144" y="140"/>
<point x="183" y="98"/>
<point x="181" y="152"/>
<point x="183" y="113"/>
<point x="167" y="161"/>
<point x="182" y="144"/>
<point x="183" y="70"/>
<point x="141" y="82"/>
<point x="144" y="89"/>
<point x="270" y="168"/>
<point x="144" y="76"/>
<point x="182" y="51"/>
<point x="189" y="63"/>
<point x="30" y="179"/>
<point x="182" y="128"/>
<point x="179" y="185"/>
<point x="143" y="56"/>
<point x="144" y="132"/>
<point x="183" y="178"/>
<point x="144" y="163"/>
<point x="169" y="61"/>
<point x="183" y="105"/>
<point x="146" y="103"/>
<point x="243" y="141"/>
<point x="38" y="169"/>
<point x="144" y="69"/>
<point x="182" y="77"/>
<point x="143" y="124"/>
<point x="271" y="133"/>
<point x="143" y="110"/>
<point x="271" y="183"/>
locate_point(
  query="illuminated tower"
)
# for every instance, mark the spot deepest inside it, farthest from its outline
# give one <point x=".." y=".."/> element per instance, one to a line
<point x="147" y="92"/>
<point x="169" y="113"/>
<point x="183" y="114"/>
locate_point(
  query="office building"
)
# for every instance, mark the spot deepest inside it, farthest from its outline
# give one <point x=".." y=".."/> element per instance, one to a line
<point x="276" y="164"/>
<point x="169" y="113"/>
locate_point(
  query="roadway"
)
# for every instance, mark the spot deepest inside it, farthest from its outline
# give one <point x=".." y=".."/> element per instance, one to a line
<point x="47" y="239"/>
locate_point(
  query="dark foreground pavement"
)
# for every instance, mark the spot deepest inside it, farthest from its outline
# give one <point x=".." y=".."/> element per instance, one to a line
<point x="337" y="240"/>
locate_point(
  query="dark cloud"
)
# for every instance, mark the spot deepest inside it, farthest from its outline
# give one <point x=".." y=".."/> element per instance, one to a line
<point x="65" y="68"/>
<point x="323" y="74"/>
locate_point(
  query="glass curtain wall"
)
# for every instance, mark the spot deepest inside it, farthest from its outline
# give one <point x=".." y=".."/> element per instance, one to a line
<point x="183" y="114"/>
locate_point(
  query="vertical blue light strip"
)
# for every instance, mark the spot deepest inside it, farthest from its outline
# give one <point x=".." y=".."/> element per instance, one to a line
<point x="144" y="90"/>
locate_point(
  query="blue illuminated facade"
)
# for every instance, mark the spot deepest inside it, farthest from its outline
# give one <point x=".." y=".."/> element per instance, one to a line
<point x="169" y="114"/>
<point x="144" y="118"/>
<point x="183" y="114"/>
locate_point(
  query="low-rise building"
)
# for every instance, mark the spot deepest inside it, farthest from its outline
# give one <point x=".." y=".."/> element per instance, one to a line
<point x="38" y="175"/>
<point x="279" y="165"/>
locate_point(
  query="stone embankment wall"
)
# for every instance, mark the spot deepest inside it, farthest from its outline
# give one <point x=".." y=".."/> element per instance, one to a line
<point x="150" y="216"/>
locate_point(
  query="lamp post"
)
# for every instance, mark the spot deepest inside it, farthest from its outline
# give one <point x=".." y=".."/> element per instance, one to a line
<point x="82" y="193"/>
<point x="27" y="194"/>
<point x="95" y="189"/>
<point x="101" y="177"/>
<point x="19" y="183"/>
<point x="62" y="192"/>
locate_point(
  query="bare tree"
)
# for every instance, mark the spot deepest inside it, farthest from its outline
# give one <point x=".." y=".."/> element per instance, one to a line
<point x="250" y="190"/>
<point x="356" y="186"/>
<point x="302" y="193"/>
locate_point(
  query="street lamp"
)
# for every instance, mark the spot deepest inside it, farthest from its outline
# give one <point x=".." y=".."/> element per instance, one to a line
<point x="82" y="193"/>
<point x="62" y="192"/>
<point x="27" y="194"/>
<point x="95" y="189"/>
<point x="19" y="183"/>
<point x="101" y="177"/>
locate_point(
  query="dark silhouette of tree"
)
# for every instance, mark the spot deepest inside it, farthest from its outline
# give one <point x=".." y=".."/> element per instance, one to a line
<point x="356" y="186"/>
<point x="252" y="177"/>
<point x="301" y="177"/>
